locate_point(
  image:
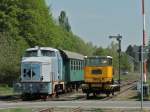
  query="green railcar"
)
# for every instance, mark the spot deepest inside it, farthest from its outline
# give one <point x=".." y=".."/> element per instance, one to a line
<point x="72" y="68"/>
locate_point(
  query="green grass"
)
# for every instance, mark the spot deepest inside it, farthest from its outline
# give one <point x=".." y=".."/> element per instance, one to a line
<point x="129" y="76"/>
<point x="148" y="78"/>
<point x="5" y="90"/>
<point x="99" y="110"/>
<point x="16" y="110"/>
<point x="148" y="81"/>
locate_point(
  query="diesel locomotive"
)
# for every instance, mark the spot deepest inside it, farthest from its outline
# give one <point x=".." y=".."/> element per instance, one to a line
<point x="98" y="76"/>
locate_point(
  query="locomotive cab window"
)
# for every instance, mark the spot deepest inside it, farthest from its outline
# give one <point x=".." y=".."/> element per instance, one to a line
<point x="48" y="53"/>
<point x="32" y="53"/>
<point x="109" y="61"/>
<point x="98" y="61"/>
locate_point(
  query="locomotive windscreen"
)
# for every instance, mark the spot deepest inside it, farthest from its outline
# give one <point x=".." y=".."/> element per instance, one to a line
<point x="31" y="71"/>
<point x="98" y="61"/>
<point x="32" y="53"/>
<point x="48" y="53"/>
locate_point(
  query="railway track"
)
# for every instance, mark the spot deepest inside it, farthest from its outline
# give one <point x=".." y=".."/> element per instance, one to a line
<point x="125" y="87"/>
<point x="78" y="109"/>
<point x="62" y="97"/>
<point x="73" y="96"/>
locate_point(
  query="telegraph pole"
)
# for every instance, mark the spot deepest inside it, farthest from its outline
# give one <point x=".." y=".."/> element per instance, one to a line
<point x="119" y="52"/>
<point x="118" y="38"/>
<point x="144" y="38"/>
<point x="143" y="61"/>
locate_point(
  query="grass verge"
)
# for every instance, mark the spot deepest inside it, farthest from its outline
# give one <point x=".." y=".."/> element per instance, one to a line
<point x="17" y="110"/>
<point x="5" y="90"/>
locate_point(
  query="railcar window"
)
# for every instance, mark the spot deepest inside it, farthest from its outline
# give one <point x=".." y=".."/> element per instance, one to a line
<point x="82" y="64"/>
<point x="48" y="53"/>
<point x="71" y="64"/>
<point x="74" y="64"/>
<point x="31" y="53"/>
<point x="78" y="65"/>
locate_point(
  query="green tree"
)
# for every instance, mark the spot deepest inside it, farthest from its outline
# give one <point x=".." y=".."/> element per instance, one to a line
<point x="129" y="51"/>
<point x="28" y="23"/>
<point x="100" y="52"/>
<point x="125" y="65"/>
<point x="63" y="21"/>
<point x="10" y="55"/>
<point x="124" y="60"/>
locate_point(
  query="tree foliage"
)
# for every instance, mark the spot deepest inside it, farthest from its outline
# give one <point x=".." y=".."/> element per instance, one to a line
<point x="63" y="21"/>
<point x="28" y="23"/>
<point x="129" y="51"/>
<point x="112" y="50"/>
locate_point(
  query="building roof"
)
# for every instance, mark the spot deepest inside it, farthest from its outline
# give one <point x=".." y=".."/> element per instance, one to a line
<point x="73" y="55"/>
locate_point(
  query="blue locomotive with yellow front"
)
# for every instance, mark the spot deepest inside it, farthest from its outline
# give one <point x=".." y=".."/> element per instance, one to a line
<point x="47" y="71"/>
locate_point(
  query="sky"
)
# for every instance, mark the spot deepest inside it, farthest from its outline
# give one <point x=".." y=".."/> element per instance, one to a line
<point x="95" y="20"/>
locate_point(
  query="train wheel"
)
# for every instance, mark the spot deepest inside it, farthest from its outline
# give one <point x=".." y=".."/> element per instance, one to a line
<point x="54" y="95"/>
<point x="45" y="98"/>
<point x="23" y="97"/>
<point x="113" y="93"/>
<point x="108" y="94"/>
<point x="57" y="95"/>
<point x="94" y="94"/>
<point x="87" y="95"/>
<point x="77" y="88"/>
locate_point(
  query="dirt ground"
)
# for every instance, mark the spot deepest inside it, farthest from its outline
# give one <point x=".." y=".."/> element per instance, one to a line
<point x="131" y="95"/>
<point x="92" y="110"/>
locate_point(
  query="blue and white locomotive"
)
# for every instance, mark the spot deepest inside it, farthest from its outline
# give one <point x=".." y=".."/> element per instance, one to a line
<point x="46" y="71"/>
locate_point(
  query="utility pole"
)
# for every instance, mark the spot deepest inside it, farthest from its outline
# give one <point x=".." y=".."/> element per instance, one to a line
<point x="118" y="38"/>
<point x="119" y="52"/>
<point x="143" y="61"/>
<point x="144" y="38"/>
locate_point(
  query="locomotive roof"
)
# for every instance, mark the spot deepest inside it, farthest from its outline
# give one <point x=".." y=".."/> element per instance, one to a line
<point x="42" y="48"/>
<point x="72" y="55"/>
<point x="98" y="57"/>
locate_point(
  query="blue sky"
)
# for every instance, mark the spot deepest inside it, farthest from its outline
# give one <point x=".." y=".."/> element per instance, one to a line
<point x="95" y="20"/>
